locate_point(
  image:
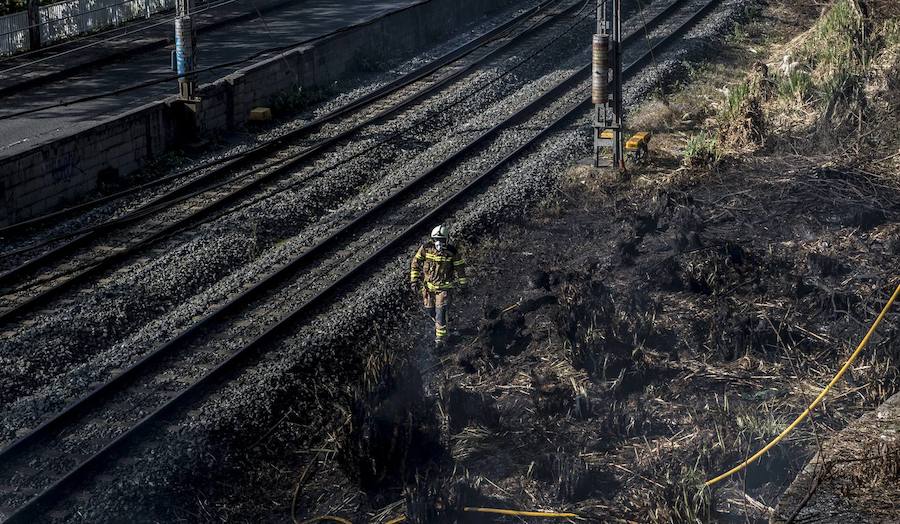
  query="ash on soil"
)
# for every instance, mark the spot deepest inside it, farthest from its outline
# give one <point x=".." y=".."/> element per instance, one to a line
<point x="635" y="339"/>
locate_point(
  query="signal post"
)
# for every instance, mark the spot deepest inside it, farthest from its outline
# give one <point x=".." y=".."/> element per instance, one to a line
<point x="606" y="86"/>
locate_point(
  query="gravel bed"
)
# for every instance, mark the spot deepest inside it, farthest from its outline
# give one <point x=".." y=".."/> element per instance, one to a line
<point x="339" y="93"/>
<point x="181" y="268"/>
<point x="196" y="445"/>
<point x="96" y="369"/>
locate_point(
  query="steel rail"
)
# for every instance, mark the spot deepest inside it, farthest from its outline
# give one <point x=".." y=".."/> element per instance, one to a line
<point x="270" y="144"/>
<point x="179" y="194"/>
<point x="32" y="508"/>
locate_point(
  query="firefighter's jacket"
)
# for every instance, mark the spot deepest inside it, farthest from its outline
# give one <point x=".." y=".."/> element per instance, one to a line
<point x="444" y="270"/>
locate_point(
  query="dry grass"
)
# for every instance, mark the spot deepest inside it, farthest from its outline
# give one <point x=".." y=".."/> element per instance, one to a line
<point x="656" y="115"/>
<point x="840" y="92"/>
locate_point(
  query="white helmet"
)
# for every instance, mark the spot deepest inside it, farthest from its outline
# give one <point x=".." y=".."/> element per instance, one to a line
<point x="440" y="232"/>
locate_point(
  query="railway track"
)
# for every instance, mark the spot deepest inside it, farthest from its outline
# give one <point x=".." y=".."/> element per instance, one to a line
<point x="97" y="248"/>
<point x="51" y="459"/>
<point x="125" y="313"/>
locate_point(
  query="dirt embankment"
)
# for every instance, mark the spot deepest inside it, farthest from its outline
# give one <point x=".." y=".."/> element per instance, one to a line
<point x="853" y="477"/>
<point x="636" y="337"/>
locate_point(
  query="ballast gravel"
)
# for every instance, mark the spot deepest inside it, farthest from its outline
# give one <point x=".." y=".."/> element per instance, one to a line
<point x="197" y="270"/>
<point x="340" y="93"/>
<point x="205" y="437"/>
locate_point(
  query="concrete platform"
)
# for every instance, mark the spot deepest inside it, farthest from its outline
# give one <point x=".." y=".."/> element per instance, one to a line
<point x="296" y="22"/>
<point x="60" y="60"/>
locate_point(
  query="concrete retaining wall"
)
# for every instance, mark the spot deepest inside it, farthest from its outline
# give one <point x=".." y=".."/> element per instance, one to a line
<point x="228" y="102"/>
<point x="67" y="169"/>
<point x="63" y="171"/>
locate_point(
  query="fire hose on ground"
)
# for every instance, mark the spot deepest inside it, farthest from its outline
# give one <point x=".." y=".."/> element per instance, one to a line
<point x="507" y="512"/>
<point x="818" y="399"/>
<point x="495" y="511"/>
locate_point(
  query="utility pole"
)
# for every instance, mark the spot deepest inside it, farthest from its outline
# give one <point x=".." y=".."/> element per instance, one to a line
<point x="606" y="84"/>
<point x="185" y="49"/>
<point x="34" y="25"/>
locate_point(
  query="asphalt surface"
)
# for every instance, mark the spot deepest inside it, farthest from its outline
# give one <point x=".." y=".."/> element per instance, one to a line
<point x="297" y="22"/>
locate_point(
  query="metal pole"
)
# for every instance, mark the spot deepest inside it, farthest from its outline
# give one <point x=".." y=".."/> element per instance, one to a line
<point x="34" y="25"/>
<point x="619" y="131"/>
<point x="185" y="49"/>
<point x="606" y="88"/>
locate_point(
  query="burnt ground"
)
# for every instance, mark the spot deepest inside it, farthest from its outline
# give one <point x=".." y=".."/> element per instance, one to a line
<point x="627" y="341"/>
<point x="690" y="316"/>
<point x="635" y="338"/>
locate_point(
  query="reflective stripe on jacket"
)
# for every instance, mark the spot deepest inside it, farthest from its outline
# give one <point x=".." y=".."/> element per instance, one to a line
<point x="438" y="271"/>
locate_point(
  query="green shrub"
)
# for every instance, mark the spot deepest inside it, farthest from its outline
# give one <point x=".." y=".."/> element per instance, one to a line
<point x="797" y="86"/>
<point x="702" y="151"/>
<point x="837" y="57"/>
<point x="738" y="96"/>
<point x="739" y="35"/>
<point x="740" y="120"/>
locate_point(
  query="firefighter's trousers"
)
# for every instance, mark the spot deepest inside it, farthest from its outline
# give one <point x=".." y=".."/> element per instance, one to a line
<point x="436" y="304"/>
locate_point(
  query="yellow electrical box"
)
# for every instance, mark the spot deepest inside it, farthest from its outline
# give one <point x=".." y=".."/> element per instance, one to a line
<point x="260" y="114"/>
<point x="638" y="141"/>
<point x="636" y="147"/>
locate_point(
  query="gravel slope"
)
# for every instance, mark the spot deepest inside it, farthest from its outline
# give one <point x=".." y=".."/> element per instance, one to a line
<point x="211" y="435"/>
<point x="232" y="251"/>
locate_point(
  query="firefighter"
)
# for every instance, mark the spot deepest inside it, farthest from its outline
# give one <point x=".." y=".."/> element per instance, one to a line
<point x="436" y="269"/>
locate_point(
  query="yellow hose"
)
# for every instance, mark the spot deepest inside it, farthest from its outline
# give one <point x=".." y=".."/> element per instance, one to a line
<point x="818" y="399"/>
<point x="511" y="512"/>
<point x="516" y="513"/>
<point x="342" y="520"/>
